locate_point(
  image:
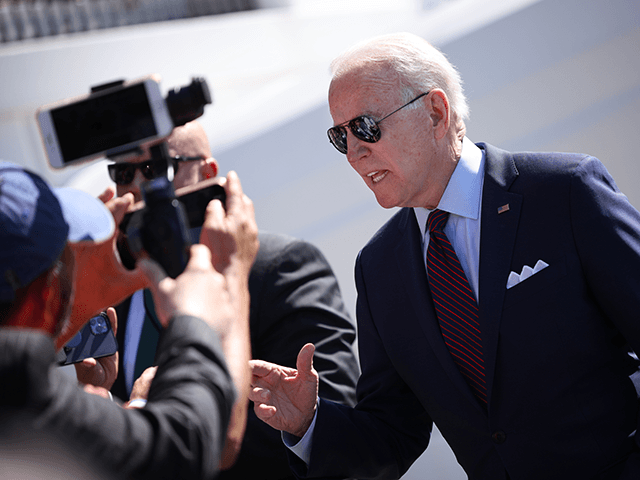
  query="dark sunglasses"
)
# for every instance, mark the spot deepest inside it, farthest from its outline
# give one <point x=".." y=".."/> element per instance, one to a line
<point x="124" y="173"/>
<point x="364" y="128"/>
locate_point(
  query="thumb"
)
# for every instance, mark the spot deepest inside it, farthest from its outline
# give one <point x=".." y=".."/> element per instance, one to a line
<point x="119" y="206"/>
<point x="107" y="195"/>
<point x="113" y="319"/>
<point x="152" y="270"/>
<point x="304" y="363"/>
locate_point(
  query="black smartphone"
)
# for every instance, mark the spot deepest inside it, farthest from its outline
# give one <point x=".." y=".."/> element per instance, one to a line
<point x="195" y="199"/>
<point x="95" y="339"/>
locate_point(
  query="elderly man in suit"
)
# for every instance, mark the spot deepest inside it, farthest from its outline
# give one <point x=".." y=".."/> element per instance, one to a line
<point x="501" y="302"/>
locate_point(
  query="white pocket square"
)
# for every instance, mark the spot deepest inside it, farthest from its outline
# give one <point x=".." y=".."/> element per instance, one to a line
<point x="527" y="271"/>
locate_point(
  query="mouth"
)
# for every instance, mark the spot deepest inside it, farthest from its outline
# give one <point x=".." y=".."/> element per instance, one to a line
<point x="377" y="175"/>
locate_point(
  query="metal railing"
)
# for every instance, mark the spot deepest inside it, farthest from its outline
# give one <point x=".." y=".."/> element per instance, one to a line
<point x="25" y="19"/>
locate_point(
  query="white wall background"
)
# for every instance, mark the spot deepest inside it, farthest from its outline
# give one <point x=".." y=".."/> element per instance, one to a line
<point x="539" y="74"/>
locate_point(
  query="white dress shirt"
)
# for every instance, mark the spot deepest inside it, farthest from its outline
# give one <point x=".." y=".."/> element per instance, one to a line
<point x="462" y="199"/>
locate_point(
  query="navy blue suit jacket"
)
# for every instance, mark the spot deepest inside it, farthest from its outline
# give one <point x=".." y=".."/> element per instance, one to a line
<point x="562" y="401"/>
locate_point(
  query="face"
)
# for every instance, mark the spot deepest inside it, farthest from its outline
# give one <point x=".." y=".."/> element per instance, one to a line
<point x="188" y="141"/>
<point x="410" y="165"/>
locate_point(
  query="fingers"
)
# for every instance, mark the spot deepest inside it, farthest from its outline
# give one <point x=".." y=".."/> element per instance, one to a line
<point x="88" y="362"/>
<point x="260" y="368"/>
<point x="213" y="219"/>
<point x="113" y="319"/>
<point x="107" y="195"/>
<point x="119" y="206"/>
<point x="90" y="372"/>
<point x="304" y="362"/>
<point x="234" y="190"/>
<point x="200" y="258"/>
<point x="142" y="385"/>
<point x="264" y="412"/>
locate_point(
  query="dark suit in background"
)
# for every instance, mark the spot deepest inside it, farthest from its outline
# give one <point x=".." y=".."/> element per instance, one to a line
<point x="295" y="299"/>
<point x="562" y="403"/>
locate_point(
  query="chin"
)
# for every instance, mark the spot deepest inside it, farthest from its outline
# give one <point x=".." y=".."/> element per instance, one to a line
<point x="386" y="203"/>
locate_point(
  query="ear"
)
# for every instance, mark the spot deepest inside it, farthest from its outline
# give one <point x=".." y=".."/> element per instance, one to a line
<point x="36" y="308"/>
<point x="209" y="168"/>
<point x="440" y="113"/>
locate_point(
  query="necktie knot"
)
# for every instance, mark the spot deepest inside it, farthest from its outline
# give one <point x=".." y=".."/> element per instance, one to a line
<point x="437" y="220"/>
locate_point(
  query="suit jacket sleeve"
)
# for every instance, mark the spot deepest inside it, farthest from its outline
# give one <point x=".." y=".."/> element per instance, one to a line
<point x="388" y="429"/>
<point x="608" y="239"/>
<point x="295" y="299"/>
<point x="179" y="434"/>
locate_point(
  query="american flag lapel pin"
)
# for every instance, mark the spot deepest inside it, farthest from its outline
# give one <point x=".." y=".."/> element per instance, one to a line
<point x="503" y="208"/>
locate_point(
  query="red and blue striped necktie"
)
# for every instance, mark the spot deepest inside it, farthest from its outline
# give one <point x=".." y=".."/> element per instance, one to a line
<point x="455" y="304"/>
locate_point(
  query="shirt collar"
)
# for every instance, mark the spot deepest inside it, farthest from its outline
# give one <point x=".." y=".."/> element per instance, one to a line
<point x="463" y="193"/>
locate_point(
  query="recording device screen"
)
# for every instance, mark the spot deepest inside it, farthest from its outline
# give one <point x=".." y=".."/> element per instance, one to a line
<point x="96" y="124"/>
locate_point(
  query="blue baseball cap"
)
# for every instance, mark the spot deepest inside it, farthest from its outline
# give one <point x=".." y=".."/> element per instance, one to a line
<point x="37" y="221"/>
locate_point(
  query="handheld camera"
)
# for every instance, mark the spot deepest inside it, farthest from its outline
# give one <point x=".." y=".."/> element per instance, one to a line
<point x="115" y="120"/>
<point x="167" y="223"/>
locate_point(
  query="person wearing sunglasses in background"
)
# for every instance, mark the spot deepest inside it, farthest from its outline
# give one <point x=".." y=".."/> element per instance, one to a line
<point x="489" y="304"/>
<point x="295" y="299"/>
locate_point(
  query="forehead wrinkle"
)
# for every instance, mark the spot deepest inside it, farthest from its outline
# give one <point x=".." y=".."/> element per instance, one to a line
<point x="374" y="88"/>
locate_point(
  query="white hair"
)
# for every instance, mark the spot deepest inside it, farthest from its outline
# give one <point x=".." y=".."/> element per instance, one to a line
<point x="419" y="65"/>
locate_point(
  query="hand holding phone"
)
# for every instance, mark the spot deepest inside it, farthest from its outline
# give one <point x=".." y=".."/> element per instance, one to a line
<point x="95" y="340"/>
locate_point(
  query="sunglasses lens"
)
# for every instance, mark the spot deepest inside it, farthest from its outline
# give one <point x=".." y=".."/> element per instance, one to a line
<point x="365" y="128"/>
<point x="124" y="174"/>
<point x="338" y="138"/>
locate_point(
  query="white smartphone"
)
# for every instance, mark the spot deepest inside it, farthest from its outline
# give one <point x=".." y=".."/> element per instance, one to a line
<point x="105" y="123"/>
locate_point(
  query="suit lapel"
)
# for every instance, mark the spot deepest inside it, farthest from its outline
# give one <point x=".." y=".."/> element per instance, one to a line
<point x="408" y="254"/>
<point x="499" y="225"/>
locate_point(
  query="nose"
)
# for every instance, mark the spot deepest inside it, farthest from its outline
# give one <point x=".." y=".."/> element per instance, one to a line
<point x="136" y="184"/>
<point x="356" y="149"/>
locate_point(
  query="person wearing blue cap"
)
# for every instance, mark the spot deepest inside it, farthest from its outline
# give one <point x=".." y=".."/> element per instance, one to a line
<point x="499" y="303"/>
<point x="49" y="239"/>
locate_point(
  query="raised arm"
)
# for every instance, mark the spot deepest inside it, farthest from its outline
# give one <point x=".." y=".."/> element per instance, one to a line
<point x="232" y="236"/>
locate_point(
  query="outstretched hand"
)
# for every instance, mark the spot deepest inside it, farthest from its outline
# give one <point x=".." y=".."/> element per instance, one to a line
<point x="285" y="398"/>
